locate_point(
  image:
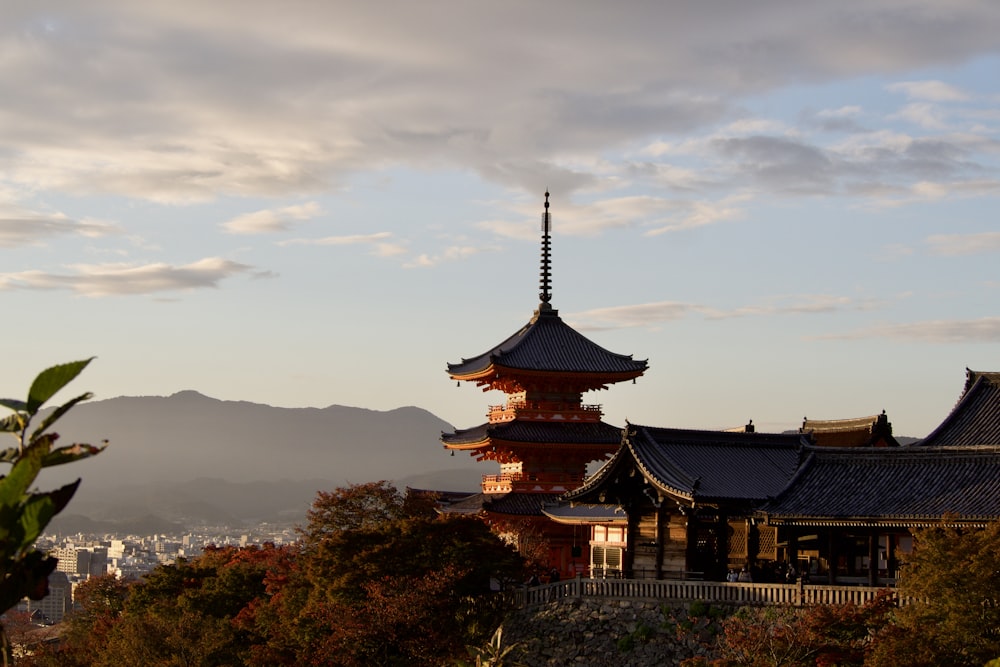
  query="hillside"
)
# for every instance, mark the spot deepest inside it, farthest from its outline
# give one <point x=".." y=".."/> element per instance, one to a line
<point x="191" y="458"/>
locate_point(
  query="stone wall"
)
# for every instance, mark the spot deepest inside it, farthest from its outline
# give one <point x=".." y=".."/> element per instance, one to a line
<point x="608" y="633"/>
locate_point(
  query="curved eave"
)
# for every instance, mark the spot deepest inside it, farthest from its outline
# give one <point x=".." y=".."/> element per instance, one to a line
<point x="587" y="515"/>
<point x="686" y="493"/>
<point x="891" y="521"/>
<point x="593" y="447"/>
<point x="494" y="372"/>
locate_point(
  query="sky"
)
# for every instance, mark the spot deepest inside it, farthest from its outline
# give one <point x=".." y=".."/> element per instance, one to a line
<point x="788" y="208"/>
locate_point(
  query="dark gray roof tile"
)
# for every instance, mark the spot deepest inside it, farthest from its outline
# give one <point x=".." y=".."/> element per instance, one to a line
<point x="905" y="484"/>
<point x="975" y="419"/>
<point x="547" y="343"/>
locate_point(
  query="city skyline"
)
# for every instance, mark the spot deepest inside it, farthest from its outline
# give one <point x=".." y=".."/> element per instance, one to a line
<point x="788" y="209"/>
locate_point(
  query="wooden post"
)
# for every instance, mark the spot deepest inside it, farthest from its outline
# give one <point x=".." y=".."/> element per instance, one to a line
<point x="873" y="558"/>
<point x="832" y="556"/>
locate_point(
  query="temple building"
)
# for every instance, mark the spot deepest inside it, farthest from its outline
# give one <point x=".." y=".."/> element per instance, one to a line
<point x="837" y="504"/>
<point x="837" y="499"/>
<point x="874" y="431"/>
<point x="544" y="435"/>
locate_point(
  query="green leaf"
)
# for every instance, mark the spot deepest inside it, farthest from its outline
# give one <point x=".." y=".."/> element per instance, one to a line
<point x="14" y="404"/>
<point x="39" y="510"/>
<point x="50" y="381"/>
<point x="74" y="452"/>
<point x="22" y="475"/>
<point x="59" y="412"/>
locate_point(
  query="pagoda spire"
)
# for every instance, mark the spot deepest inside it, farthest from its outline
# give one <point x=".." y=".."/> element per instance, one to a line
<point x="546" y="274"/>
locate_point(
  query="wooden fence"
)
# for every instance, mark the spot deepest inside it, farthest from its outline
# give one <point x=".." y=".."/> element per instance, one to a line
<point x="736" y="593"/>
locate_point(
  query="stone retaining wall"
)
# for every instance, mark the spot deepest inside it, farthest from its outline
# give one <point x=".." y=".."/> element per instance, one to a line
<point x="608" y="633"/>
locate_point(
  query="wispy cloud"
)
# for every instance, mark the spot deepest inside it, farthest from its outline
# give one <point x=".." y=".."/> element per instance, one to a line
<point x="271" y="220"/>
<point x="98" y="280"/>
<point x="654" y="314"/>
<point x="449" y="254"/>
<point x="964" y="244"/>
<point x="983" y="330"/>
<point x="930" y="90"/>
<point x="19" y="228"/>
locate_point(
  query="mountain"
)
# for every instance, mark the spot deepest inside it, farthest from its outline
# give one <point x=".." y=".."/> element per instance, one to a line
<point x="190" y="458"/>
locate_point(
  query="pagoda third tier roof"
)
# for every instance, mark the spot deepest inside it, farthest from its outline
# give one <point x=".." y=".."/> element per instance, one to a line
<point x="548" y="345"/>
<point x="534" y="433"/>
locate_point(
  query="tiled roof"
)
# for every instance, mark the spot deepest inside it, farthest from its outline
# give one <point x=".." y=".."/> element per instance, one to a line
<point x="903" y="485"/>
<point x="513" y="503"/>
<point x="585" y="513"/>
<point x="702" y="466"/>
<point x="857" y="432"/>
<point x="975" y="419"/>
<point x="547" y="343"/>
<point x="582" y="433"/>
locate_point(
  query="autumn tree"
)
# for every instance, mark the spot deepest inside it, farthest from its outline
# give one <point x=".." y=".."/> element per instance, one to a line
<point x="952" y="582"/>
<point x="98" y="604"/>
<point x="821" y="635"/>
<point x="180" y="614"/>
<point x="382" y="580"/>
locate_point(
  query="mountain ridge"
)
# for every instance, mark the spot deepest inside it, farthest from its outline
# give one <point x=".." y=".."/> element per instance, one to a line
<point x="191" y="458"/>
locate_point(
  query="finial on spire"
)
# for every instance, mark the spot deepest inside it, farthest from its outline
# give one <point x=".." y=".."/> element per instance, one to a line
<point x="546" y="283"/>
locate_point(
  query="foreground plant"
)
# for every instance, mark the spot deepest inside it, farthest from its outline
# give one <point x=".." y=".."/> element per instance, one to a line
<point x="24" y="513"/>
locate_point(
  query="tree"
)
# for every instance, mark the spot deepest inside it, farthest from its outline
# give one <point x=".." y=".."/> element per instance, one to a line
<point x="382" y="580"/>
<point x="98" y="605"/>
<point x="821" y="636"/>
<point x="952" y="582"/>
<point x="359" y="507"/>
<point x="24" y="514"/>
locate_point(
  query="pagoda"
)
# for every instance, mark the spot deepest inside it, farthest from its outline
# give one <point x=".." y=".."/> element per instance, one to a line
<point x="544" y="436"/>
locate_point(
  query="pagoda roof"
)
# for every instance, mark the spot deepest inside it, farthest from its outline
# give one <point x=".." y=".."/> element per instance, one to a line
<point x="547" y="344"/>
<point x="513" y="503"/>
<point x="905" y="486"/>
<point x="534" y="433"/>
<point x="696" y="466"/>
<point x="856" y="432"/>
<point x="975" y="419"/>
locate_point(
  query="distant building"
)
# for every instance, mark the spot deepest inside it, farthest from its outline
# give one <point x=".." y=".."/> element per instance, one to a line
<point x="54" y="606"/>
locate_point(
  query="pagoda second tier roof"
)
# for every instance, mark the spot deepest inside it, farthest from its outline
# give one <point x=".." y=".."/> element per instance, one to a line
<point x="534" y="433"/>
<point x="513" y="503"/>
<point x="548" y="345"/>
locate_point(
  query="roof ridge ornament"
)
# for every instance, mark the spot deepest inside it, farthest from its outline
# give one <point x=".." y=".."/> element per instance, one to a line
<point x="546" y="274"/>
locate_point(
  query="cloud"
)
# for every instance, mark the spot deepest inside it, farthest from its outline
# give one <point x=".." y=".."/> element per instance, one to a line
<point x="97" y="280"/>
<point x="949" y="332"/>
<point x="653" y="314"/>
<point x="932" y="91"/>
<point x="348" y="239"/>
<point x="180" y="102"/>
<point x="964" y="244"/>
<point x="637" y="315"/>
<point x="20" y="228"/>
<point x="450" y="254"/>
<point x="701" y="213"/>
<point x="271" y="220"/>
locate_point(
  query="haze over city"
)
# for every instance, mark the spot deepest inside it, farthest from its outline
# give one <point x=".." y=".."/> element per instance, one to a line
<point x="788" y="208"/>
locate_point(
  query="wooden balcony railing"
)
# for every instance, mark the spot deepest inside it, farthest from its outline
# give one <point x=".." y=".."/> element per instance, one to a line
<point x="744" y="594"/>
<point x="544" y="412"/>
